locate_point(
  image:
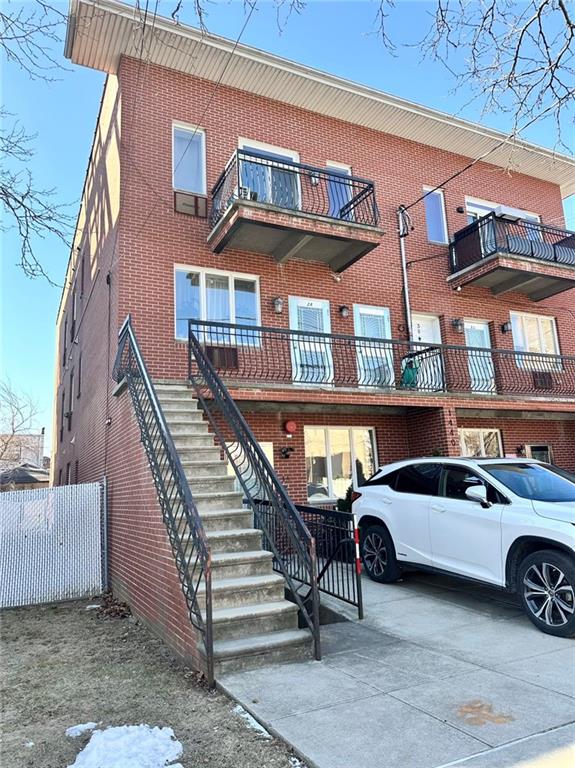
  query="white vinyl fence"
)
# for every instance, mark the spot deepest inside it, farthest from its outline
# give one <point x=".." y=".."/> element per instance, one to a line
<point x="51" y="544"/>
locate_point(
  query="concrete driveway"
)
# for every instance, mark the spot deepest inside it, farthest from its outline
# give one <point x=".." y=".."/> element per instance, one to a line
<point x="438" y="674"/>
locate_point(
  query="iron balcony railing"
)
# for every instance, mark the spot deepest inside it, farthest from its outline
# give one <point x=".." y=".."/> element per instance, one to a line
<point x="284" y="532"/>
<point x="181" y="518"/>
<point x="493" y="234"/>
<point x="293" y="186"/>
<point x="252" y="356"/>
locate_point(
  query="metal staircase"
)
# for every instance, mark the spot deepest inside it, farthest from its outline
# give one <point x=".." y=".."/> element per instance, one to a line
<point x="228" y="568"/>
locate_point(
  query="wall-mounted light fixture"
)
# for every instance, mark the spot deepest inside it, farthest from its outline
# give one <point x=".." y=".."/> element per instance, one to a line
<point x="344" y="311"/>
<point x="458" y="325"/>
<point x="520" y="450"/>
<point x="278" y="305"/>
<point x="460" y="209"/>
<point x="506" y="327"/>
<point x="286" y="451"/>
<point x="314" y="178"/>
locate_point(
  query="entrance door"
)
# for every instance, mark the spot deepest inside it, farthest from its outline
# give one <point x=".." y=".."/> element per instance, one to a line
<point x="311" y="356"/>
<point x="374" y="357"/>
<point x="426" y="364"/>
<point x="480" y="363"/>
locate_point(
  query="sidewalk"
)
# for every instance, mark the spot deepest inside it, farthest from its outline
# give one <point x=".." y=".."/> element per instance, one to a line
<point x="432" y="677"/>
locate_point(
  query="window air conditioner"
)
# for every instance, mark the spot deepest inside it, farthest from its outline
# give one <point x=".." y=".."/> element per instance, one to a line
<point x="542" y="380"/>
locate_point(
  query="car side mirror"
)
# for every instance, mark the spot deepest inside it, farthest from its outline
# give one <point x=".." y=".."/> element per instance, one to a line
<point x="478" y="493"/>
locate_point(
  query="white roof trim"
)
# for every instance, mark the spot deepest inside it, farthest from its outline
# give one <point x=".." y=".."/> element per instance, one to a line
<point x="101" y="31"/>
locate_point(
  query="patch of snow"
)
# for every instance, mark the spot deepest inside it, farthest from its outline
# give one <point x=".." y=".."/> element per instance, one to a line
<point x="29" y="744"/>
<point x="251" y="722"/>
<point x="295" y="763"/>
<point x="91" y="607"/>
<point x="78" y="730"/>
<point x="130" y="746"/>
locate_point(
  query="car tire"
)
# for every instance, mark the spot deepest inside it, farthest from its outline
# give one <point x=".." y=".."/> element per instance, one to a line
<point x="546" y="586"/>
<point x="378" y="555"/>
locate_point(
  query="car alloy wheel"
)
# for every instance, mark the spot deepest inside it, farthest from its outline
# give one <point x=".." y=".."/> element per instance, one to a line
<point x="548" y="594"/>
<point x="375" y="554"/>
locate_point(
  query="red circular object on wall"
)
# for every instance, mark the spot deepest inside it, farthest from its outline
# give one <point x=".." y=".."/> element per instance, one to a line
<point x="290" y="427"/>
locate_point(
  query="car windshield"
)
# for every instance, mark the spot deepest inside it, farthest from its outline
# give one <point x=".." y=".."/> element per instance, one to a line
<point x="535" y="481"/>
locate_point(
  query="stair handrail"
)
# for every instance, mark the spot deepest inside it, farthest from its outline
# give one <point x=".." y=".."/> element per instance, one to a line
<point x="261" y="486"/>
<point x="193" y="562"/>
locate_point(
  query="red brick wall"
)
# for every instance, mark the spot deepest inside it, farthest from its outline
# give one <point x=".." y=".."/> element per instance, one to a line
<point x="154" y="238"/>
<point x="560" y="435"/>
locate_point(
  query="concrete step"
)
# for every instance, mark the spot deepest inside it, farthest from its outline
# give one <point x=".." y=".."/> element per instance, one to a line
<point x="217" y="500"/>
<point x="227" y="519"/>
<point x="245" y="620"/>
<point x="193" y="441"/>
<point x="191" y="429"/>
<point x="259" y="650"/>
<point x="200" y="453"/>
<point x="183" y="418"/>
<point x="182" y="404"/>
<point x="234" y="540"/>
<point x="205" y="485"/>
<point x="230" y="565"/>
<point x="195" y="469"/>
<point x="246" y="590"/>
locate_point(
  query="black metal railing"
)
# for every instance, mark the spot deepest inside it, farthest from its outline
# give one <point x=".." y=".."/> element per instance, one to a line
<point x="493" y="234"/>
<point x="293" y="186"/>
<point x="337" y="547"/>
<point x="285" y="534"/>
<point x="181" y="517"/>
<point x="253" y="356"/>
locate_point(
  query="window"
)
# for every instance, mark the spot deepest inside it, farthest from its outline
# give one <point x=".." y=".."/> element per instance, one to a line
<point x="60" y="476"/>
<point x="70" y="401"/>
<point x="480" y="442"/>
<point x="456" y="480"/>
<point x="539" y="452"/>
<point x="215" y="296"/>
<point x="534" y="333"/>
<point x="62" y="412"/>
<point x="79" y="376"/>
<point x="244" y="467"/>
<point x="268" y="175"/>
<point x="435" y="216"/>
<point x="189" y="160"/>
<point x="68" y="473"/>
<point x="73" y="323"/>
<point x="418" y="478"/>
<point x="335" y="458"/>
<point x="76" y="471"/>
<point x="82" y="274"/>
<point x="65" y="341"/>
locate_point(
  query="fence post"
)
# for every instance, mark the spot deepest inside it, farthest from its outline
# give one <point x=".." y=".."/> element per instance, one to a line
<point x="104" y="533"/>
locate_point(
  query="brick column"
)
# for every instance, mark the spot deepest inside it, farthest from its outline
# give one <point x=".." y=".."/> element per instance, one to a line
<point x="433" y="432"/>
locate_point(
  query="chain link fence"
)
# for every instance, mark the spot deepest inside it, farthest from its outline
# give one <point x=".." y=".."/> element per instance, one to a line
<point x="52" y="544"/>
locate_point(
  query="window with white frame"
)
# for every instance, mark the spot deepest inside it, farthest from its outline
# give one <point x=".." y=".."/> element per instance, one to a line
<point x="337" y="457"/>
<point x="435" y="217"/>
<point x="480" y="442"/>
<point x="189" y="160"/>
<point x="534" y="333"/>
<point x="215" y="296"/>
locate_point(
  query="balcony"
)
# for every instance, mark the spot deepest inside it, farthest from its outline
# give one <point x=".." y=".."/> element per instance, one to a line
<point x="288" y="210"/>
<point x="254" y="357"/>
<point x="506" y="255"/>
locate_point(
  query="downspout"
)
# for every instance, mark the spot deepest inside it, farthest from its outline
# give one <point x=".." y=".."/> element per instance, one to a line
<point x="403" y="229"/>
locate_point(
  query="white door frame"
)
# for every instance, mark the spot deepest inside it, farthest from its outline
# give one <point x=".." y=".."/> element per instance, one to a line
<point x="304" y="345"/>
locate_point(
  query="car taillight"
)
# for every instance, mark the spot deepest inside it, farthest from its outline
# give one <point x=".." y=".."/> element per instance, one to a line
<point x="355" y="495"/>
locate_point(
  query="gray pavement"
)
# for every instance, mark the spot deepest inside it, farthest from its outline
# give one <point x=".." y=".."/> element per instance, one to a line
<point x="438" y="674"/>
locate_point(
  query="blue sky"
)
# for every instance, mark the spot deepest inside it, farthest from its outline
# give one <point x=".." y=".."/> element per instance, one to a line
<point x="338" y="37"/>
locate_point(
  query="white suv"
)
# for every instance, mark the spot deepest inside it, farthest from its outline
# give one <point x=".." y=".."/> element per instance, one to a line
<point x="506" y="522"/>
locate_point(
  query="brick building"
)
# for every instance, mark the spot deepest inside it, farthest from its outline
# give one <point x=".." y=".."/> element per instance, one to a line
<point x="261" y="199"/>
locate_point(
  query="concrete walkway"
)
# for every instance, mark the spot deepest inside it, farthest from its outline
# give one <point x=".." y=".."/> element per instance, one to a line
<point x="437" y="674"/>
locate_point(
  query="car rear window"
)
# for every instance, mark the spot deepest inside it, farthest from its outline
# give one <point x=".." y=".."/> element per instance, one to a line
<point x="418" y="478"/>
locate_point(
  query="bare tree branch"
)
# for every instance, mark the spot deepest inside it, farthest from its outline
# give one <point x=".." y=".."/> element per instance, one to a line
<point x="26" y="34"/>
<point x="18" y="412"/>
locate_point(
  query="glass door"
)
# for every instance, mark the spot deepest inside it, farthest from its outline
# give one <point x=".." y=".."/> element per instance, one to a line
<point x="311" y="356"/>
<point x="374" y="355"/>
<point x="425" y="364"/>
<point x="270" y="178"/>
<point x="479" y="362"/>
<point x="339" y="192"/>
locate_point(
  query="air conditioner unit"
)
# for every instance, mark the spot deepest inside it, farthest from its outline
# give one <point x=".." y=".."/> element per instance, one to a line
<point x="192" y="205"/>
<point x="244" y="193"/>
<point x="542" y="380"/>
<point x="222" y="357"/>
<point x="511" y="214"/>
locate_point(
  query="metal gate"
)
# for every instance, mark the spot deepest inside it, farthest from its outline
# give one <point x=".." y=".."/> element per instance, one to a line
<point x="51" y="544"/>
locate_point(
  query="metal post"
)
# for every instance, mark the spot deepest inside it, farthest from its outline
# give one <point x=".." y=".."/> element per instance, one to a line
<point x="104" y="534"/>
<point x="403" y="231"/>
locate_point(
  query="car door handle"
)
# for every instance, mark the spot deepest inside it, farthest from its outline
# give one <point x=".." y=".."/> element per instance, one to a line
<point x="437" y="508"/>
